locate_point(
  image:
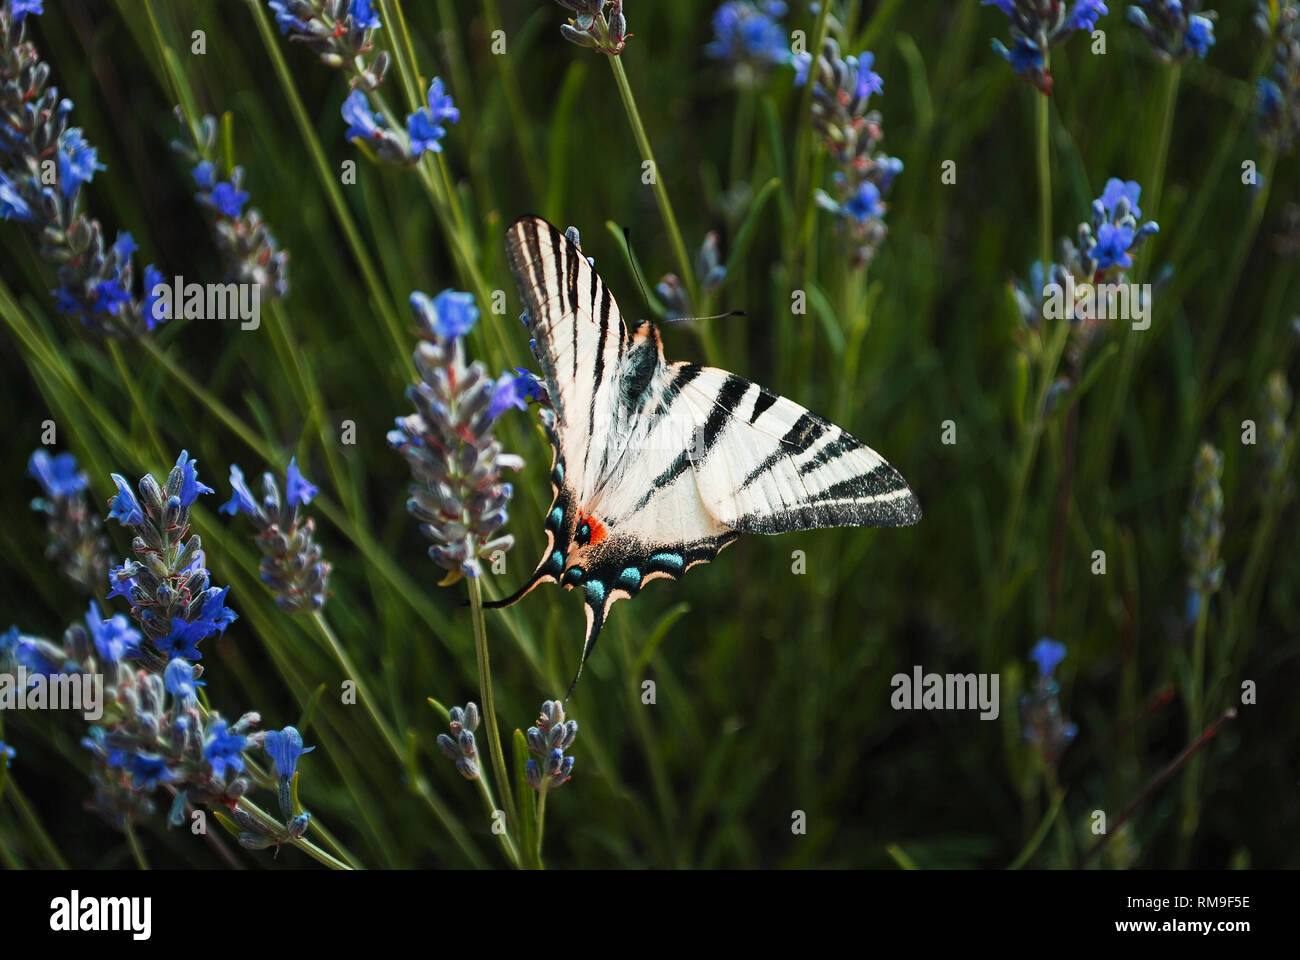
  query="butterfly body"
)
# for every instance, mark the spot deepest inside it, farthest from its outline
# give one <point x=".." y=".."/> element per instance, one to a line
<point x="658" y="466"/>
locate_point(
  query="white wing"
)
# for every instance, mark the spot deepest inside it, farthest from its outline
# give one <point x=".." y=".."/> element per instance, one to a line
<point x="580" y="339"/>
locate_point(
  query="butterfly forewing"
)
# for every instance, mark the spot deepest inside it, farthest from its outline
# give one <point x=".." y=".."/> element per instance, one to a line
<point x="580" y="338"/>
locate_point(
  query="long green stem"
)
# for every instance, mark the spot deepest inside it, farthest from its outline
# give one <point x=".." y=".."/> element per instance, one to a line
<point x="1132" y="338"/>
<point x="684" y="265"/>
<point x="37" y="830"/>
<point x="1192" y="696"/>
<point x="303" y="844"/>
<point x="1044" y="125"/>
<point x="507" y="841"/>
<point x="328" y="181"/>
<point x="541" y="822"/>
<point x="134" y="843"/>
<point x="489" y="702"/>
<point x="445" y="817"/>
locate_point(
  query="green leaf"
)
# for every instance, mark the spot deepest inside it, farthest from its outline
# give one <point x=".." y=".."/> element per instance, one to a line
<point x="527" y="798"/>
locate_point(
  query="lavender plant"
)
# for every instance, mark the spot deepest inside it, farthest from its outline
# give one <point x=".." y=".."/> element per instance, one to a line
<point x="1277" y="100"/>
<point x="292" y="566"/>
<point x="167" y="585"/>
<point x="155" y="735"/>
<point x="1043" y="723"/>
<point x="44" y="163"/>
<point x="456" y="463"/>
<point x="750" y="39"/>
<point x="1176" y="30"/>
<point x="1085" y="287"/>
<point x="1036" y="27"/>
<point x="340" y="32"/>
<point x="548" y="768"/>
<point x="709" y="272"/>
<point x="424" y="127"/>
<point x="598" y="24"/>
<point x="76" y="535"/>
<point x="841" y="89"/>
<point x="247" y="247"/>
<point x="1275" y="438"/>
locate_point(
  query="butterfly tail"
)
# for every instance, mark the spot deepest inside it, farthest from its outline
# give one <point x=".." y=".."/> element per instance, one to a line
<point x="595" y="620"/>
<point x="541" y="575"/>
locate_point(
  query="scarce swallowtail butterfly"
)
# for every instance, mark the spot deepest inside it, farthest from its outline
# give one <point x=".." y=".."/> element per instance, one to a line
<point x="658" y="466"/>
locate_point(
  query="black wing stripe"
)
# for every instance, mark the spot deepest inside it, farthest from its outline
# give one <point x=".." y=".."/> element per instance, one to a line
<point x="762" y="403"/>
<point x="844" y="443"/>
<point x="802" y="435"/>
<point x="685" y="374"/>
<point x="724" y="407"/>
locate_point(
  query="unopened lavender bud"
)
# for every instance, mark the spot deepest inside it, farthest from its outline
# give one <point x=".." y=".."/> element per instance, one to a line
<point x="299" y="824"/>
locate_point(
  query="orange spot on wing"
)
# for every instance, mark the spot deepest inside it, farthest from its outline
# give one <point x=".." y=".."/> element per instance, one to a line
<point x="597" y="530"/>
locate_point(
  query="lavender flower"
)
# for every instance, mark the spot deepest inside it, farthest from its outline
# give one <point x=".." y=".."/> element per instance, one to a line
<point x="95" y="280"/>
<point x="167" y="584"/>
<point x="459" y="744"/>
<point x="7" y="753"/>
<point x="842" y="88"/>
<point x="291" y="559"/>
<point x="1203" y="524"/>
<point x="549" y="768"/>
<point x="340" y="32"/>
<point x="1177" y="30"/>
<point x="1277" y="100"/>
<point x="1092" y="267"/>
<point x="1043" y="723"/>
<point x="599" y="25"/>
<point x="153" y="731"/>
<point x="1039" y="25"/>
<point x="1275" y="437"/>
<point x="749" y="37"/>
<point x="709" y="270"/>
<point x="425" y="126"/>
<point x="457" y="495"/>
<point x="76" y="536"/>
<point x="248" y="248"/>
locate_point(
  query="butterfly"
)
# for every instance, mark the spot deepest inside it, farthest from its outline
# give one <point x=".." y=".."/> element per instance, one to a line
<point x="657" y="466"/>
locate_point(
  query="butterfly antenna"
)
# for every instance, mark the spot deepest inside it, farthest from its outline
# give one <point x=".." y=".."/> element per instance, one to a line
<point x="636" y="271"/>
<point x="716" y="316"/>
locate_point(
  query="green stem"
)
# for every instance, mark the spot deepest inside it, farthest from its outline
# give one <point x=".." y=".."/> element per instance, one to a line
<point x="1192" y="696"/>
<point x="489" y="701"/>
<point x="1157" y="179"/>
<point x="306" y="846"/>
<point x="28" y="813"/>
<point x="661" y="194"/>
<point x="507" y="841"/>
<point x="1052" y="359"/>
<point x="541" y="821"/>
<point x="1044" y="118"/>
<point x="444" y="816"/>
<point x="1040" y="834"/>
<point x="128" y="382"/>
<point x="134" y="843"/>
<point x="327" y="180"/>
<point x="1131" y="339"/>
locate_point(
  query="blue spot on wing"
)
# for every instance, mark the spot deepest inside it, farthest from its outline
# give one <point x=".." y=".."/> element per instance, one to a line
<point x="630" y="578"/>
<point x="595" y="592"/>
<point x="556" y="519"/>
<point x="668" y="562"/>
